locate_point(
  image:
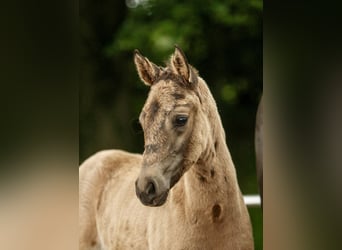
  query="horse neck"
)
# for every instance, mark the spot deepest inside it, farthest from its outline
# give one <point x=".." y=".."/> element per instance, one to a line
<point x="212" y="179"/>
<point x="216" y="151"/>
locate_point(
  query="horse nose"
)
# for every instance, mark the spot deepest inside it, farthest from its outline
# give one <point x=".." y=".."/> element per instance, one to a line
<point x="148" y="193"/>
<point x="150" y="189"/>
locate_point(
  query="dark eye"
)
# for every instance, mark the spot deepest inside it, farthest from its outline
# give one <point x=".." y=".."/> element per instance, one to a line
<point x="180" y="120"/>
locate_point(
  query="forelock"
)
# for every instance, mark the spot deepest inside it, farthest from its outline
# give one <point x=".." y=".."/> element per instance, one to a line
<point x="168" y="75"/>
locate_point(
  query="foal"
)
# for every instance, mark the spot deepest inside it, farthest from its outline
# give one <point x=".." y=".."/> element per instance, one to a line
<point x="185" y="181"/>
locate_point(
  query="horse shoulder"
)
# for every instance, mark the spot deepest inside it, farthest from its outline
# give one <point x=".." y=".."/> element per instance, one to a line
<point x="94" y="173"/>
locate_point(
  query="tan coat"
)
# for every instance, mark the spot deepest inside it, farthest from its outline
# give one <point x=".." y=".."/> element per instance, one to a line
<point x="204" y="207"/>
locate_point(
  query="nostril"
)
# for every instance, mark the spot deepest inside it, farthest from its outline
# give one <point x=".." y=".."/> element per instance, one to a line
<point x="150" y="189"/>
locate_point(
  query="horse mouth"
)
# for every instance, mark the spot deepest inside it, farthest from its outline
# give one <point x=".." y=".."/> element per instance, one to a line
<point x="157" y="201"/>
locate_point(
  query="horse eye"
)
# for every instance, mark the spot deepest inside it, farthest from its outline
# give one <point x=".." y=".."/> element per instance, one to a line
<point x="181" y="120"/>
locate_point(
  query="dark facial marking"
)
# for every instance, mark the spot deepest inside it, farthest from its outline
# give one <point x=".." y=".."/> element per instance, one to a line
<point x="216" y="212"/>
<point x="215" y="145"/>
<point x="202" y="178"/>
<point x="162" y="124"/>
<point x="154" y="108"/>
<point x="151" y="148"/>
<point x="225" y="179"/>
<point x="178" y="96"/>
<point x="93" y="243"/>
<point x="212" y="173"/>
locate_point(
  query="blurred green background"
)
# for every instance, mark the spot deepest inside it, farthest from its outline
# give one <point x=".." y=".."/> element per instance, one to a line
<point x="222" y="39"/>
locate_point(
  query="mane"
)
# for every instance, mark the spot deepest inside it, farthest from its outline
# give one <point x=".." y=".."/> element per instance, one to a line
<point x="168" y="74"/>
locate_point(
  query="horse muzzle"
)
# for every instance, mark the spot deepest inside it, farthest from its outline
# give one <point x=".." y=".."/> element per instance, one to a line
<point x="150" y="193"/>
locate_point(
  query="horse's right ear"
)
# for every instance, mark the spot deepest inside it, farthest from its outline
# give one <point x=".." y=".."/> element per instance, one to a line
<point x="181" y="67"/>
<point x="147" y="70"/>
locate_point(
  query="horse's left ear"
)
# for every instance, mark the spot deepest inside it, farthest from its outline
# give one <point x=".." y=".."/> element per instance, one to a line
<point x="180" y="66"/>
<point x="147" y="70"/>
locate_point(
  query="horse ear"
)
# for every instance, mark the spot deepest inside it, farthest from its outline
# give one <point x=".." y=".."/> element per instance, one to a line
<point x="179" y="63"/>
<point x="180" y="66"/>
<point x="147" y="70"/>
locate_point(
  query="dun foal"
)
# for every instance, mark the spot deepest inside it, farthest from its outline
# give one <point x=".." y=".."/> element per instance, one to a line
<point x="185" y="181"/>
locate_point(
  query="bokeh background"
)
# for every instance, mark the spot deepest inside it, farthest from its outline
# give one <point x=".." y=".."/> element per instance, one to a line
<point x="41" y="87"/>
<point x="222" y="39"/>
